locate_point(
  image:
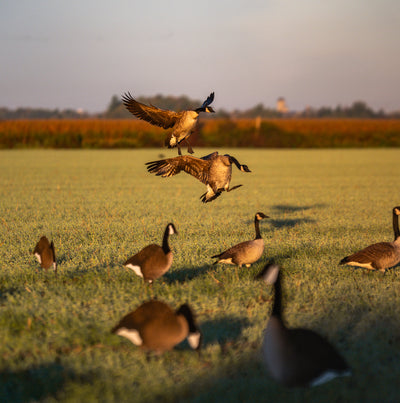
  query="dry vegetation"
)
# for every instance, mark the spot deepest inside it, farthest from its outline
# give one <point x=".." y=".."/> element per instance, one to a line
<point x="130" y="133"/>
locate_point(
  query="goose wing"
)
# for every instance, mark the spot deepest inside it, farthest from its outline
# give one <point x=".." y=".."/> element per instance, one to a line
<point x="196" y="167"/>
<point x="208" y="101"/>
<point x="210" y="157"/>
<point x="373" y="252"/>
<point x="152" y="114"/>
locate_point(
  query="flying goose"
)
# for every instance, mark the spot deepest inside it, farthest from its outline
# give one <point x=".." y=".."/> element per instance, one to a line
<point x="153" y="261"/>
<point x="246" y="252"/>
<point x="45" y="254"/>
<point x="296" y="357"/>
<point x="182" y="123"/>
<point x="379" y="256"/>
<point x="155" y="326"/>
<point x="214" y="170"/>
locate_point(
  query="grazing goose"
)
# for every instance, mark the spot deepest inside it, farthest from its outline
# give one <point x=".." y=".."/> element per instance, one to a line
<point x="297" y="357"/>
<point x="182" y="123"/>
<point x="155" y="326"/>
<point x="153" y="260"/>
<point x="246" y="252"/>
<point x="214" y="170"/>
<point x="379" y="256"/>
<point x="45" y="254"/>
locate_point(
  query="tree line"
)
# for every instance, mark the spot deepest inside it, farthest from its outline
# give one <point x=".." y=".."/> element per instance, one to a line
<point x="116" y="110"/>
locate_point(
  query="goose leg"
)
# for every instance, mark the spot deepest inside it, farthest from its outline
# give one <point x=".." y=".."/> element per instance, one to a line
<point x="190" y="149"/>
<point x="235" y="187"/>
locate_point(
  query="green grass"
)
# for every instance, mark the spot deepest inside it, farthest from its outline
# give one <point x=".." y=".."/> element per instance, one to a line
<point x="100" y="207"/>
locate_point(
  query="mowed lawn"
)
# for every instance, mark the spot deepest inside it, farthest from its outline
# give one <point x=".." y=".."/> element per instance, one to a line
<point x="101" y="207"/>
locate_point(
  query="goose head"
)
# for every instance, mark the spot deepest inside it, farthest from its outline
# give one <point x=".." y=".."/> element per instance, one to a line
<point x="194" y="335"/>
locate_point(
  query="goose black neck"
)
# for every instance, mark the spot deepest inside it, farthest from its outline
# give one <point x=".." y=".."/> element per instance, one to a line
<point x="165" y="244"/>
<point x="396" y="225"/>
<point x="233" y="160"/>
<point x="277" y="307"/>
<point x="257" y="226"/>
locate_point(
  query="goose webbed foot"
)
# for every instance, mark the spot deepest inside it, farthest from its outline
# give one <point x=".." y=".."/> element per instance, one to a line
<point x="204" y="198"/>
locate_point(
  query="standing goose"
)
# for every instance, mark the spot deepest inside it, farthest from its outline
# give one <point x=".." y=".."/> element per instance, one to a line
<point x="182" y="123"/>
<point x="297" y="357"/>
<point x="45" y="254"/>
<point x="246" y="252"/>
<point x="214" y="170"/>
<point x="153" y="261"/>
<point x="155" y="326"/>
<point x="379" y="256"/>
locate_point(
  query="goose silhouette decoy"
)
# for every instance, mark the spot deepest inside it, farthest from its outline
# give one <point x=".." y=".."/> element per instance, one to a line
<point x="182" y="123"/>
<point x="153" y="261"/>
<point x="155" y="326"/>
<point x="244" y="253"/>
<point x="45" y="254"/>
<point x="214" y="170"/>
<point x="379" y="256"/>
<point x="296" y="357"/>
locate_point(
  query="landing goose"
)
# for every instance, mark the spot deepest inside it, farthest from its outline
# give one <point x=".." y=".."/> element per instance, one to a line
<point x="45" y="254"/>
<point x="214" y="170"/>
<point x="182" y="123"/>
<point x="153" y="261"/>
<point x="155" y="326"/>
<point x="379" y="256"/>
<point x="297" y="357"/>
<point x="245" y="253"/>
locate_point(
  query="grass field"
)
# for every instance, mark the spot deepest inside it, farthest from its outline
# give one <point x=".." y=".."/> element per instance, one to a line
<point x="100" y="207"/>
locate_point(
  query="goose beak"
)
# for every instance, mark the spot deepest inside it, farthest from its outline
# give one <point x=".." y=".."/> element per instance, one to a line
<point x="245" y="168"/>
<point x="209" y="109"/>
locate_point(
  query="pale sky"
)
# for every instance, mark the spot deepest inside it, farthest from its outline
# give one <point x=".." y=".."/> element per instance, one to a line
<point x="78" y="54"/>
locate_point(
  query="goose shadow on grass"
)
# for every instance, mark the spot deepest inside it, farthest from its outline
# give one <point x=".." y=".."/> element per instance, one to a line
<point x="222" y="330"/>
<point x="289" y="222"/>
<point x="287" y="208"/>
<point x="33" y="384"/>
<point x="183" y="275"/>
<point x="292" y="222"/>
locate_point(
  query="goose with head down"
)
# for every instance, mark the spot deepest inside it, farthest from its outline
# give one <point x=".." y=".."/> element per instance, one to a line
<point x="45" y="254"/>
<point x="155" y="326"/>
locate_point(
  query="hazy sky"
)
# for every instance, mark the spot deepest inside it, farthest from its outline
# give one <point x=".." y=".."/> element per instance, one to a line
<point x="77" y="54"/>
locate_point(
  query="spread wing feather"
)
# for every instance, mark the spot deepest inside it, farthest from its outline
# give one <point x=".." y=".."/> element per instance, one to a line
<point x="208" y="100"/>
<point x="171" y="166"/>
<point x="152" y="114"/>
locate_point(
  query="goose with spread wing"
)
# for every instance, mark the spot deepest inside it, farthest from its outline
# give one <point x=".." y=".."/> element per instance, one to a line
<point x="182" y="123"/>
<point x="214" y="170"/>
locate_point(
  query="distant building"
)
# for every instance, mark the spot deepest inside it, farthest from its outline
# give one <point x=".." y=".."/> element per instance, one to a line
<point x="281" y="105"/>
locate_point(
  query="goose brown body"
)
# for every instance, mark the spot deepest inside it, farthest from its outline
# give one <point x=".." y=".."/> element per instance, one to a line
<point x="153" y="261"/>
<point x="244" y="253"/>
<point x="45" y="253"/>
<point x="157" y="327"/>
<point x="182" y="123"/>
<point x="297" y="357"/>
<point x="214" y="170"/>
<point x="379" y="256"/>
